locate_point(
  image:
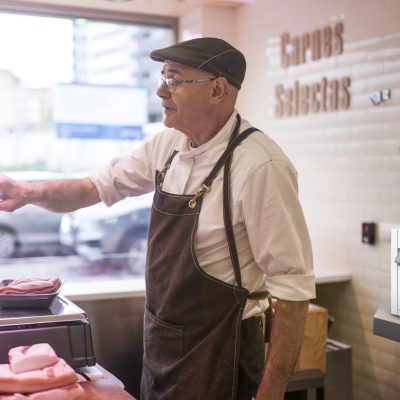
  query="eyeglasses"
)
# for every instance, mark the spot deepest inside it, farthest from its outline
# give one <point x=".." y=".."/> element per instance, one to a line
<point x="171" y="83"/>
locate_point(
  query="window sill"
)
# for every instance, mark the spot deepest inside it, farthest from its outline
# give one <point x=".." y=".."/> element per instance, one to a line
<point x="107" y="289"/>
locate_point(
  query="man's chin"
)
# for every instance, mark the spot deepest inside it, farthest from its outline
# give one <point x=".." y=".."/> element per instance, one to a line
<point x="167" y="122"/>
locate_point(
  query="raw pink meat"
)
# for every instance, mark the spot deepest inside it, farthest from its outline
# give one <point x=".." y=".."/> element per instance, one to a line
<point x="57" y="375"/>
<point x="29" y="358"/>
<point x="31" y="286"/>
<point x="70" y="392"/>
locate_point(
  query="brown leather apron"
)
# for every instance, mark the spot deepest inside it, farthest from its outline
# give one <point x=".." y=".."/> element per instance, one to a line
<point x="192" y="320"/>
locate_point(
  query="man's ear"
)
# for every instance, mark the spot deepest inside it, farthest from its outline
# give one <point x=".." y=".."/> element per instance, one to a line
<point x="220" y="88"/>
<point x="216" y="91"/>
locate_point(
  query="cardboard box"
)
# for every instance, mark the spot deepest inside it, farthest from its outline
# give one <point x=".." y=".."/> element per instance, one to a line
<point x="313" y="349"/>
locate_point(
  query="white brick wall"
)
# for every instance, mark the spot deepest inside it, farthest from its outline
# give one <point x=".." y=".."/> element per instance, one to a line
<point x="348" y="161"/>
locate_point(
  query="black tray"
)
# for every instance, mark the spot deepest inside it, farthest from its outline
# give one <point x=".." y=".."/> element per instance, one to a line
<point x="42" y="300"/>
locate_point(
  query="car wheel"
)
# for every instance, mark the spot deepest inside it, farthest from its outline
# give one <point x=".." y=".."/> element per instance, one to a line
<point x="137" y="256"/>
<point x="8" y="243"/>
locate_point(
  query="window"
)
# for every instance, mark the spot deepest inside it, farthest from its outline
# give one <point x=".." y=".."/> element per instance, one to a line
<point x="57" y="76"/>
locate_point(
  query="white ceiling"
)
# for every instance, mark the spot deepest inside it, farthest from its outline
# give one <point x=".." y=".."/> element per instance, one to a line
<point x="171" y="8"/>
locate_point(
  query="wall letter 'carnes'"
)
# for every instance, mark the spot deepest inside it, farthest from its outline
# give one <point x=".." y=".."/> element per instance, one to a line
<point x="285" y="57"/>
<point x="322" y="43"/>
<point x="338" y="38"/>
<point x="316" y="45"/>
<point x="326" y="44"/>
<point x="305" y="45"/>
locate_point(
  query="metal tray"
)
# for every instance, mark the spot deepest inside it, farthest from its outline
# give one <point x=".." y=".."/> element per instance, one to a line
<point x="42" y="300"/>
<point x="61" y="311"/>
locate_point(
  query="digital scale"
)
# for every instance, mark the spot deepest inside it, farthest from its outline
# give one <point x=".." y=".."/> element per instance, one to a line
<point x="63" y="325"/>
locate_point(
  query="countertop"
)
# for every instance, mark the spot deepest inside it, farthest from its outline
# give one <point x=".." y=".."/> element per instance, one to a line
<point x="107" y="388"/>
<point x="135" y="287"/>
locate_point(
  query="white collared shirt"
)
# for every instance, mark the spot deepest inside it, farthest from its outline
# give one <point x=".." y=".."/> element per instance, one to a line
<point x="270" y="231"/>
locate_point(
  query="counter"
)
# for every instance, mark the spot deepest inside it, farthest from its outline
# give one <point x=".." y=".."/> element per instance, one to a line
<point x="135" y="287"/>
<point x="119" y="302"/>
<point x="386" y="324"/>
<point x="107" y="388"/>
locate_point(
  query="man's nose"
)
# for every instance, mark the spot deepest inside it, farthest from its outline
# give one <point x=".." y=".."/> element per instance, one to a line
<point x="163" y="92"/>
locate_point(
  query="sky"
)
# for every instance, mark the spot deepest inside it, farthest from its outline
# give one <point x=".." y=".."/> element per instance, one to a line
<point x="38" y="50"/>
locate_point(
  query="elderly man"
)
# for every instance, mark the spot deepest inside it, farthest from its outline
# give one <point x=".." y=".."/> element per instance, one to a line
<point x="226" y="230"/>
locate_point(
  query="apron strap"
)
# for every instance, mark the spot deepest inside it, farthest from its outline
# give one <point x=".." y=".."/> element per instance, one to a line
<point x="233" y="143"/>
<point x="260" y="295"/>
<point x="161" y="175"/>
<point x="226" y="161"/>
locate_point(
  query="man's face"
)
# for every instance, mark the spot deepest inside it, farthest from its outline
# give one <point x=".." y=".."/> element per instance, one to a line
<point x="187" y="104"/>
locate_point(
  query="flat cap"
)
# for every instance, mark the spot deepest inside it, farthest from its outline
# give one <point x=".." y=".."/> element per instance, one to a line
<point x="208" y="54"/>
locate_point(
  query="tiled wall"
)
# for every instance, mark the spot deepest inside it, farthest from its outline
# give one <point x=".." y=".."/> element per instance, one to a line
<point x="348" y="161"/>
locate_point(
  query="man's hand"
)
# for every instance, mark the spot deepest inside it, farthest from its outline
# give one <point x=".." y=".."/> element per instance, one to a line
<point x="11" y="194"/>
<point x="283" y="350"/>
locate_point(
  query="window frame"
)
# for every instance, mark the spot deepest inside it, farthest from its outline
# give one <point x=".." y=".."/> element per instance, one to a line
<point x="63" y="11"/>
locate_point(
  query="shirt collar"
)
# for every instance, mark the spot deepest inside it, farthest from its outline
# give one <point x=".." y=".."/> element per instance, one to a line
<point x="186" y="151"/>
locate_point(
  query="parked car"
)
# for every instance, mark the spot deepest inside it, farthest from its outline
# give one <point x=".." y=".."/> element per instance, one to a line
<point x="29" y="226"/>
<point x="118" y="230"/>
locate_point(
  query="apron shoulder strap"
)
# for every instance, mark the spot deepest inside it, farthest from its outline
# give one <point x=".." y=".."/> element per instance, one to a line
<point x="230" y="235"/>
<point x="226" y="161"/>
<point x="160" y="175"/>
<point x="233" y="143"/>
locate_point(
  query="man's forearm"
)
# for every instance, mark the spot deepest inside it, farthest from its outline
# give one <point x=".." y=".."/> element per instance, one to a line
<point x="54" y="195"/>
<point x="62" y="195"/>
<point x="286" y="339"/>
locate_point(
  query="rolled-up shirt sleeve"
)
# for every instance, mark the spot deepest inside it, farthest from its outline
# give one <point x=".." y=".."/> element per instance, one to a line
<point x="131" y="175"/>
<point x="277" y="231"/>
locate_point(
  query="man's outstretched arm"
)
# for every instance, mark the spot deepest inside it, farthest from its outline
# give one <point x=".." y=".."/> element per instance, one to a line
<point x="55" y="195"/>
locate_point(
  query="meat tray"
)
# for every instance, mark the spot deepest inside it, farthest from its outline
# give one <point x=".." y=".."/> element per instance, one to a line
<point x="42" y="300"/>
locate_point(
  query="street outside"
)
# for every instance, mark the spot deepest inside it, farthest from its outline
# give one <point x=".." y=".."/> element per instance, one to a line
<point x="54" y="260"/>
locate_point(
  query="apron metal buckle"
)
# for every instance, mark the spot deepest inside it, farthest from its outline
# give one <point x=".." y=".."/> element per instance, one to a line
<point x="204" y="188"/>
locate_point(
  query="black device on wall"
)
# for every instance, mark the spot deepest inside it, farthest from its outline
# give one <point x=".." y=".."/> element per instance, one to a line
<point x="368" y="232"/>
